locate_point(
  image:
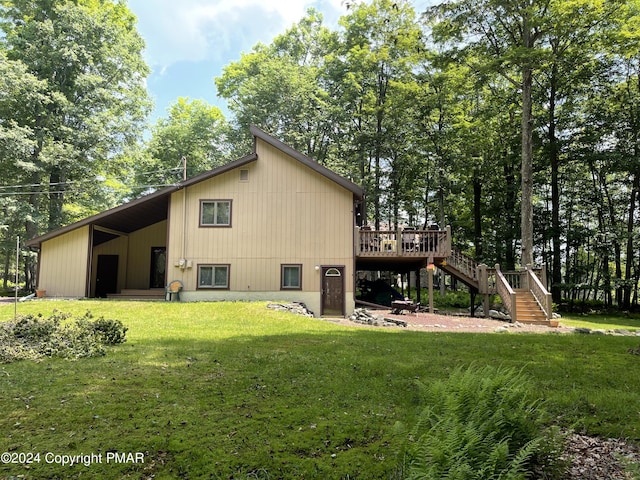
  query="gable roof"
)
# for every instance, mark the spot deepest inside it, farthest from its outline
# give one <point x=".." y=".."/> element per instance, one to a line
<point x="312" y="164"/>
<point x="145" y="211"/>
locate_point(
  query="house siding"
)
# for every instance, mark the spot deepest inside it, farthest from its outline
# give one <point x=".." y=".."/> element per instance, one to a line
<point x="134" y="256"/>
<point x="285" y="213"/>
<point x="139" y="259"/>
<point x="63" y="264"/>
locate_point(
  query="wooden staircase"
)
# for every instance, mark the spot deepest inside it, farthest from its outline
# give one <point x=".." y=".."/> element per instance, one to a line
<point x="527" y="309"/>
<point x="462" y="267"/>
<point x="467" y="270"/>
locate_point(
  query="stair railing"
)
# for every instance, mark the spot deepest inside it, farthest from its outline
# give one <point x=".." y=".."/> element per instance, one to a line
<point x="464" y="264"/>
<point x="507" y="294"/>
<point x="539" y="292"/>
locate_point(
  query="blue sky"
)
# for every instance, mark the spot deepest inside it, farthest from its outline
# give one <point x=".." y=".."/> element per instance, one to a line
<point x="189" y="42"/>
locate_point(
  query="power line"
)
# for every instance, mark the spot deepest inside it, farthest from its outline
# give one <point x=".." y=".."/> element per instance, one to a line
<point x="73" y="182"/>
<point x="49" y="192"/>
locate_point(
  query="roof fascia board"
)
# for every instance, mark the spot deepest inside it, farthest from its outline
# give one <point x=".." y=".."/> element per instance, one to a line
<point x="252" y="157"/>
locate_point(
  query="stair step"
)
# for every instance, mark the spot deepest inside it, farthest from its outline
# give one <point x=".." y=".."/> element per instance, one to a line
<point x="527" y="309"/>
<point x="139" y="294"/>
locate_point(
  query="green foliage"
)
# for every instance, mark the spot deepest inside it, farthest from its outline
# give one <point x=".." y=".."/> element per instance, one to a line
<point x="194" y="131"/>
<point x="72" y="98"/>
<point x="33" y="337"/>
<point x="481" y="423"/>
<point x="109" y="331"/>
<point x="455" y="299"/>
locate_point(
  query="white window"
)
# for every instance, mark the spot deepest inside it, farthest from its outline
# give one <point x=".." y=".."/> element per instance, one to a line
<point x="215" y="213"/>
<point x="291" y="277"/>
<point x="213" y="276"/>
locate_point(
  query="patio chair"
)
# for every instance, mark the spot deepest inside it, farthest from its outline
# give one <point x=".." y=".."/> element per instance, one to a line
<point x="173" y="289"/>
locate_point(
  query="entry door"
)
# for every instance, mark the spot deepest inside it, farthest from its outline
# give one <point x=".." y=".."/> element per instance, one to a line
<point x="333" y="291"/>
<point x="158" y="267"/>
<point x="107" y="275"/>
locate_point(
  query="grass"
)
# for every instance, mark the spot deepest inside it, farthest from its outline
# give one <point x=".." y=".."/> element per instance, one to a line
<point x="234" y="390"/>
<point x="603" y="321"/>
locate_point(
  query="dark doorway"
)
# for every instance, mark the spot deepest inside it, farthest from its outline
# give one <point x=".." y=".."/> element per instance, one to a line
<point x="107" y="275"/>
<point x="333" y="291"/>
<point x="158" y="267"/>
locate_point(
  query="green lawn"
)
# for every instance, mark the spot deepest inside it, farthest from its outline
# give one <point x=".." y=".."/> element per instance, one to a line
<point x="603" y="321"/>
<point x="234" y="390"/>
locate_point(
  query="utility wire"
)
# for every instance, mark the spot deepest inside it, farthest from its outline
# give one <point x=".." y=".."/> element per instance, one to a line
<point x="73" y="182"/>
<point x="49" y="192"/>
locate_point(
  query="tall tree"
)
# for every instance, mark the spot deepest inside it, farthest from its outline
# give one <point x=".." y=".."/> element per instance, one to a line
<point x="507" y="35"/>
<point x="379" y="48"/>
<point x="279" y="88"/>
<point x="190" y="140"/>
<point x="576" y="38"/>
<point x="87" y="56"/>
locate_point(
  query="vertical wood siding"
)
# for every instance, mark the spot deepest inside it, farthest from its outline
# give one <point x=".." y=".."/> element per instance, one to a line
<point x="139" y="259"/>
<point x="284" y="213"/>
<point x="63" y="267"/>
<point x="134" y="252"/>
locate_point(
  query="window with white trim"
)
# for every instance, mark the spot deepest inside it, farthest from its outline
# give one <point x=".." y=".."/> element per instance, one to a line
<point x="215" y="213"/>
<point x="213" y="276"/>
<point x="291" y="277"/>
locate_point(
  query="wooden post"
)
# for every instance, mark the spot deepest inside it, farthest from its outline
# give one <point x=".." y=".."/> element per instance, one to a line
<point x="15" y="305"/>
<point x="418" y="286"/>
<point x="486" y="305"/>
<point x="430" y="268"/>
<point x="483" y="283"/>
<point x="409" y="284"/>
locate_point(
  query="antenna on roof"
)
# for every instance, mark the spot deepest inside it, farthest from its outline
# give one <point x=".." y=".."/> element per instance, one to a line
<point x="184" y="167"/>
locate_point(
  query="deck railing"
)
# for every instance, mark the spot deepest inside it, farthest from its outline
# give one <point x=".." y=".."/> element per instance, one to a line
<point x="405" y="243"/>
<point x="540" y="293"/>
<point x="508" y="295"/>
<point x="465" y="265"/>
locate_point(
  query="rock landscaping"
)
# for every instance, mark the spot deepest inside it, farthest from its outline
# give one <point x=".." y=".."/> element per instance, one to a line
<point x="294" y="307"/>
<point x="363" y="316"/>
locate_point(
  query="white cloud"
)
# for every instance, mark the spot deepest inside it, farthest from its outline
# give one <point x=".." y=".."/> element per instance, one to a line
<point x="195" y="30"/>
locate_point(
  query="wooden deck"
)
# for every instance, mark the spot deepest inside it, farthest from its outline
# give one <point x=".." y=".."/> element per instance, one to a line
<point x="394" y="244"/>
<point x="523" y="292"/>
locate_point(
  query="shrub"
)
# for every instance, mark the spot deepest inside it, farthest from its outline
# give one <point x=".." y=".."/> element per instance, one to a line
<point x="110" y="332"/>
<point x="481" y="424"/>
<point x="33" y="337"/>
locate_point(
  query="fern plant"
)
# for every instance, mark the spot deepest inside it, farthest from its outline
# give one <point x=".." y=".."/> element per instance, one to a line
<point x="480" y="424"/>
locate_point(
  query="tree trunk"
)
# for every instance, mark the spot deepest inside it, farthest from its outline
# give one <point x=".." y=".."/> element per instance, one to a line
<point x="477" y="213"/>
<point x="628" y="276"/>
<point x="509" y="216"/>
<point x="554" y="160"/>
<point x="526" y="206"/>
<point x="617" y="249"/>
<point x="56" y="197"/>
<point x="7" y="259"/>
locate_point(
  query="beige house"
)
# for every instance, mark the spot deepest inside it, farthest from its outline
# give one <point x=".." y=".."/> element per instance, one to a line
<point x="273" y="225"/>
